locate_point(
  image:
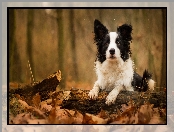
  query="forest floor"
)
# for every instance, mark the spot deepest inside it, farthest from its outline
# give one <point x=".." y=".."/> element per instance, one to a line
<point x="50" y="111"/>
<point x="45" y="103"/>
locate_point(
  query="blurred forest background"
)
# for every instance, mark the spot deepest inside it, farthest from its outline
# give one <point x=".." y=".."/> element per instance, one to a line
<point x="53" y="39"/>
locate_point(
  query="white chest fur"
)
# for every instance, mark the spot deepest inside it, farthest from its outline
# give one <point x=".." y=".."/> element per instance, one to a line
<point x="112" y="74"/>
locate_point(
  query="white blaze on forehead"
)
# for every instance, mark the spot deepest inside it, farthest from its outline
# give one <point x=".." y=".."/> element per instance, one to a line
<point x="113" y="36"/>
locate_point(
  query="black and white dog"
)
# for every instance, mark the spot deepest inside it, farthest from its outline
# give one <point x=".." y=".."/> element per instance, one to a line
<point x="114" y="67"/>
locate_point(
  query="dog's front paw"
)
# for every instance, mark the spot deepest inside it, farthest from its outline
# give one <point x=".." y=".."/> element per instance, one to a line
<point x="110" y="99"/>
<point x="93" y="94"/>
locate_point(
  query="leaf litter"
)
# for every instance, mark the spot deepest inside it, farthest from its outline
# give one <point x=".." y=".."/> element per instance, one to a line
<point x="50" y="112"/>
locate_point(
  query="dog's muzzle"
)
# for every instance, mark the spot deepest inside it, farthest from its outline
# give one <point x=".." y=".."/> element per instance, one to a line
<point x="112" y="51"/>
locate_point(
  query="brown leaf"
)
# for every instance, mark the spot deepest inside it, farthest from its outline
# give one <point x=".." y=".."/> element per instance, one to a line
<point x="88" y="120"/>
<point x="27" y="118"/>
<point x="21" y="118"/>
<point x="52" y="116"/>
<point x="23" y="103"/>
<point x="91" y="119"/>
<point x="37" y="121"/>
<point x="145" y="113"/>
<point x="36" y="100"/>
<point x="36" y="112"/>
<point x="78" y="118"/>
<point x="58" y="102"/>
<point x="46" y="108"/>
<point x="65" y="116"/>
<point x="128" y="115"/>
<point x="19" y="97"/>
<point x="102" y="114"/>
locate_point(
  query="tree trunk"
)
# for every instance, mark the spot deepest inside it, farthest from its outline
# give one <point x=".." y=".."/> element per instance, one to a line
<point x="164" y="58"/>
<point x="73" y="45"/>
<point x="30" y="23"/>
<point x="61" y="44"/>
<point x="14" y="59"/>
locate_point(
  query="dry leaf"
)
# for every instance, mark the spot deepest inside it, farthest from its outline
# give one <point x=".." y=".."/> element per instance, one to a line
<point x="36" y="121"/>
<point x="103" y="114"/>
<point x="21" y="118"/>
<point x="36" y="100"/>
<point x="78" y="118"/>
<point x="52" y="116"/>
<point x="45" y="107"/>
<point x="91" y="119"/>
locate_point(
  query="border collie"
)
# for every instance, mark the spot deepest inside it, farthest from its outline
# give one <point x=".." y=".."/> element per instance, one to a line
<point x="114" y="67"/>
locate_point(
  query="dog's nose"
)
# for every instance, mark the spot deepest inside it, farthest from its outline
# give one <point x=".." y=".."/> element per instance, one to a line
<point x="112" y="51"/>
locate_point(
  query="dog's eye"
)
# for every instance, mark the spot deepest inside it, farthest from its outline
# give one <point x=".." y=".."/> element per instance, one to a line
<point x="106" y="44"/>
<point x="117" y="42"/>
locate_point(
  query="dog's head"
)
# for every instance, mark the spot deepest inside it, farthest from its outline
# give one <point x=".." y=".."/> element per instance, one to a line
<point x="112" y="45"/>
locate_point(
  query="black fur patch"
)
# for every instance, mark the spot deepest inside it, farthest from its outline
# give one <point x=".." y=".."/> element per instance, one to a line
<point x="102" y="40"/>
<point x="141" y="83"/>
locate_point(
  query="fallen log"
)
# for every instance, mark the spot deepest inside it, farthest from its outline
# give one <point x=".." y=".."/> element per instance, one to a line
<point x="43" y="88"/>
<point x="79" y="100"/>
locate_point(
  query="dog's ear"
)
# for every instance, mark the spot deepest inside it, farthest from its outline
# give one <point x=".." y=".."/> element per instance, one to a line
<point x="100" y="30"/>
<point x="125" y="32"/>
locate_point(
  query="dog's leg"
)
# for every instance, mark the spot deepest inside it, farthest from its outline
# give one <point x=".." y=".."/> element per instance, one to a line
<point x="93" y="94"/>
<point x="110" y="99"/>
<point x="129" y="88"/>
